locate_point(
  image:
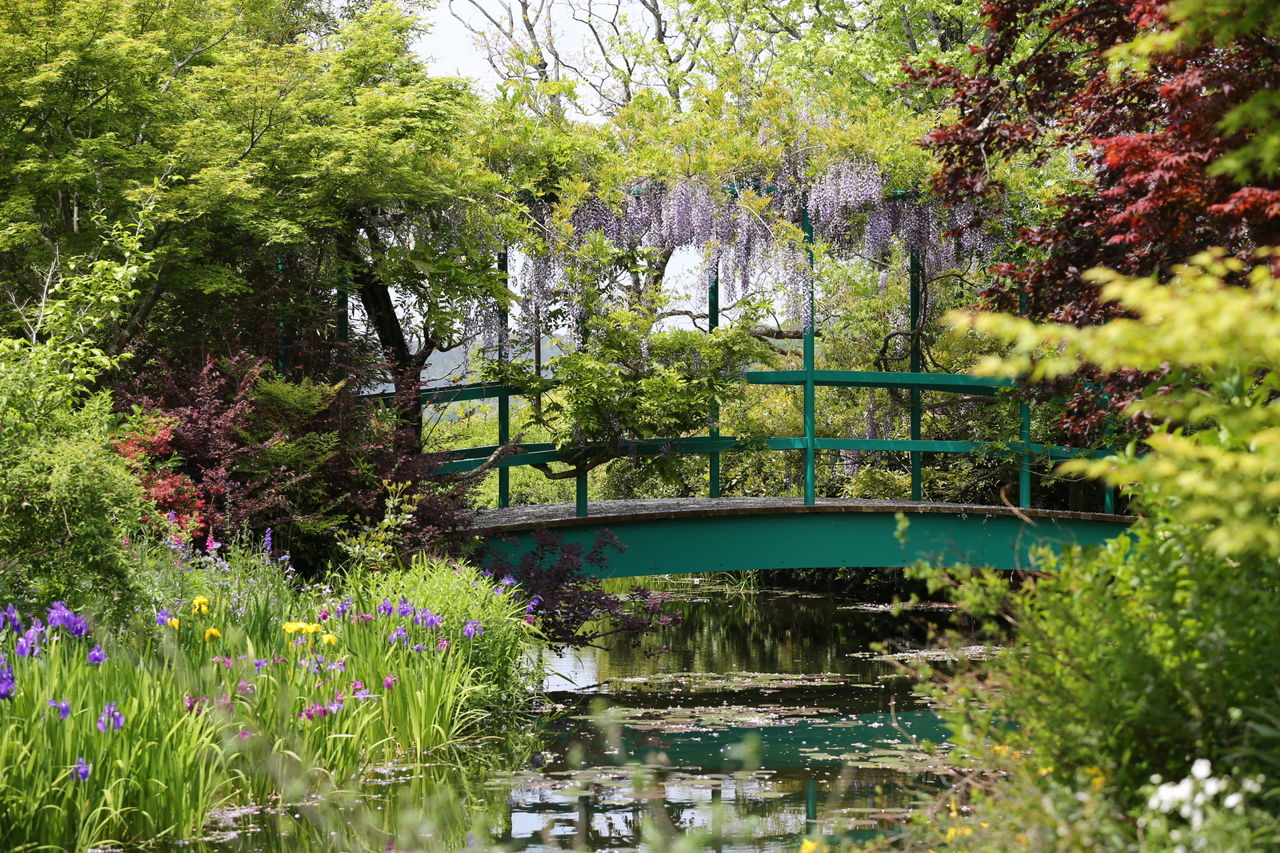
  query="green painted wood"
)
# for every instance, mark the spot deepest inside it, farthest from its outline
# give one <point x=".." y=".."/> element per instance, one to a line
<point x="713" y="322"/>
<point x="916" y="275"/>
<point x="810" y="393"/>
<point x="580" y="495"/>
<point x="1024" y="468"/>
<point x="504" y="398"/>
<point x="818" y="538"/>
<point x="471" y="457"/>
<point x="954" y="383"/>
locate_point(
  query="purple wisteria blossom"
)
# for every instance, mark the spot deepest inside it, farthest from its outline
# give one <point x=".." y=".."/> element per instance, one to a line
<point x="111" y="719"/>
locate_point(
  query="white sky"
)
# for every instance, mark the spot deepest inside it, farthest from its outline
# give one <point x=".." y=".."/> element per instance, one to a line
<point x="451" y="50"/>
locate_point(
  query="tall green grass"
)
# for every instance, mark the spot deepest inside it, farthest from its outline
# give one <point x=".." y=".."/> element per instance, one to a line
<point x="243" y="686"/>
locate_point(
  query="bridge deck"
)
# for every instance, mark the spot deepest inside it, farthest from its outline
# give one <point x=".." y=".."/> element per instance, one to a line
<point x="521" y="518"/>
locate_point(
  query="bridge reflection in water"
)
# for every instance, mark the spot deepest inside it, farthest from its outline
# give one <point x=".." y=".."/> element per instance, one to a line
<point x="757" y="719"/>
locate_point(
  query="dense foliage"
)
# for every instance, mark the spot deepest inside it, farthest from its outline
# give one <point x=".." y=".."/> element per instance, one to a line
<point x="1145" y="663"/>
<point x="1163" y="137"/>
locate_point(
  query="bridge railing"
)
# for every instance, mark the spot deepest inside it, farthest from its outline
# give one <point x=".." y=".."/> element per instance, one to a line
<point x="914" y="381"/>
<point x="713" y="445"/>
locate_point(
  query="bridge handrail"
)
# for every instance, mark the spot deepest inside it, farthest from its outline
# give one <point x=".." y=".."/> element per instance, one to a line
<point x="955" y="383"/>
<point x="470" y="458"/>
<point x="914" y="381"/>
<point x="533" y="453"/>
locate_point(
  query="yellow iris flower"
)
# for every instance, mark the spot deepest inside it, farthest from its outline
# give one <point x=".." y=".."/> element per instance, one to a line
<point x="174" y="623"/>
<point x="330" y="639"/>
<point x="199" y="604"/>
<point x="210" y="633"/>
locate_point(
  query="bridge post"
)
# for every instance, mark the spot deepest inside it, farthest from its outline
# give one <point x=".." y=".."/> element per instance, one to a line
<point x="1024" y="474"/>
<point x="504" y="399"/>
<point x="580" y="495"/>
<point x="810" y="417"/>
<point x="713" y="322"/>
<point x="1024" y="435"/>
<point x="916" y="276"/>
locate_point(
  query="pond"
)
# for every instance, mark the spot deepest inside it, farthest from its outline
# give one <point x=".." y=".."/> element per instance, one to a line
<point x="757" y="718"/>
<point x="759" y="715"/>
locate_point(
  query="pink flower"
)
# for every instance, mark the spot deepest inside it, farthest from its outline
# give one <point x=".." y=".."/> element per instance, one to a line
<point x="389" y="682"/>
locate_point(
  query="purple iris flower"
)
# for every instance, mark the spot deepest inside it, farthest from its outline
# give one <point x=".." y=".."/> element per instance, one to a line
<point x="111" y="718"/>
<point x="7" y="686"/>
<point x="533" y="604"/>
<point x="10" y="617"/>
<point x="385" y="608"/>
<point x="97" y="655"/>
<point x="61" y="616"/>
<point x="81" y="770"/>
<point x="426" y="619"/>
<point x="507" y="580"/>
<point x="163" y="617"/>
<point x="389" y="682"/>
<point x="472" y="629"/>
<point x="64" y="707"/>
<point x="28" y="644"/>
<point x="405" y="608"/>
<point x="398" y="636"/>
<point x="344" y="606"/>
<point x="266" y="543"/>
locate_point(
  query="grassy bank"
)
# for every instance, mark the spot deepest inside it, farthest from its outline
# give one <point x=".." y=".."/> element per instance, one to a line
<point x="237" y="685"/>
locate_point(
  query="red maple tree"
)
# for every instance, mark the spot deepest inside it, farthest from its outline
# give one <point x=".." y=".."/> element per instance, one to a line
<point x="1148" y="136"/>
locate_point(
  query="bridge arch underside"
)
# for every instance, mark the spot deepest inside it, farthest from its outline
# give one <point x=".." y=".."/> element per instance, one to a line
<point x="734" y="534"/>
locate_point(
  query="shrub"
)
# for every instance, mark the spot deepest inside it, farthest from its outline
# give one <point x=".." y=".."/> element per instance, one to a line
<point x="1155" y="655"/>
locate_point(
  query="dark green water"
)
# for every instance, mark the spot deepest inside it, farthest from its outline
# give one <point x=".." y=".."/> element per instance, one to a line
<point x="760" y="717"/>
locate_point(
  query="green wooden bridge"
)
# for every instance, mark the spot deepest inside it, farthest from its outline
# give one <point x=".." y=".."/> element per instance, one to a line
<point x="735" y="533"/>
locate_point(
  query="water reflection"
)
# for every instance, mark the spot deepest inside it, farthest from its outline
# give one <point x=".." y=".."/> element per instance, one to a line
<point x="760" y="717"/>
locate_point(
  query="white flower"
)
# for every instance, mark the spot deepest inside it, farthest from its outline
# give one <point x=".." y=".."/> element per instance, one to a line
<point x="1201" y="768"/>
